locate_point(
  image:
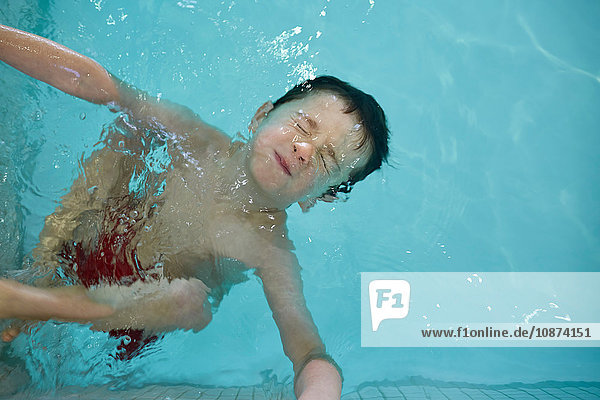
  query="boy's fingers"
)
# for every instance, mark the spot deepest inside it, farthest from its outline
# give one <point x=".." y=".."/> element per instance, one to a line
<point x="10" y="333"/>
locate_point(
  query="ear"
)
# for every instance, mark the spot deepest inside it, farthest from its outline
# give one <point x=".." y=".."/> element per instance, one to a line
<point x="260" y="114"/>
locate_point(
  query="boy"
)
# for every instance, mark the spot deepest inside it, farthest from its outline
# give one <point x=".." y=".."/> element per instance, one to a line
<point x="172" y="197"/>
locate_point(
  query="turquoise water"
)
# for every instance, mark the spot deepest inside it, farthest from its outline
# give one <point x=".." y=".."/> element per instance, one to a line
<point x="494" y="115"/>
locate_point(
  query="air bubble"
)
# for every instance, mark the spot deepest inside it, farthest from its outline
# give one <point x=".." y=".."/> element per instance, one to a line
<point x="82" y="116"/>
<point x="37" y="115"/>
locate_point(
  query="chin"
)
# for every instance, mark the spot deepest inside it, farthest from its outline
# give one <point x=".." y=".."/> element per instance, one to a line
<point x="266" y="176"/>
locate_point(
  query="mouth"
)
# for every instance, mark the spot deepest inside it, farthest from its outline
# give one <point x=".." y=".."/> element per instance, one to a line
<point x="283" y="164"/>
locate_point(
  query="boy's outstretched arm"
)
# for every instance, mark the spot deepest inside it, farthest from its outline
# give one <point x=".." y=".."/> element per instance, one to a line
<point x="317" y="376"/>
<point x="82" y="77"/>
<point x="57" y="65"/>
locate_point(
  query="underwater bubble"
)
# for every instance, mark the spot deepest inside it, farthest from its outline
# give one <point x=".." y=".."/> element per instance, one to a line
<point x="36" y="115"/>
<point x="82" y="116"/>
<point x="126" y="340"/>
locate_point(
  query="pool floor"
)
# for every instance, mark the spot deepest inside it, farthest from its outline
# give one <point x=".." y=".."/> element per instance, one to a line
<point x="412" y="389"/>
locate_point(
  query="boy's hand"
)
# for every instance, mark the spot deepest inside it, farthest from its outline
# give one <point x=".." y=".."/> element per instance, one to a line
<point x="155" y="305"/>
<point x="318" y="380"/>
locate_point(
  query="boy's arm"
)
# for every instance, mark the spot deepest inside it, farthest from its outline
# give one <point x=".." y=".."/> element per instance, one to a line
<point x="316" y="374"/>
<point x="83" y="77"/>
<point x="57" y="65"/>
<point x="153" y="305"/>
<point x="66" y="303"/>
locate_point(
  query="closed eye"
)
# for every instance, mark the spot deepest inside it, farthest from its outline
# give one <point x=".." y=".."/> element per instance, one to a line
<point x="325" y="164"/>
<point x="304" y="122"/>
<point x="331" y="154"/>
<point x="298" y="125"/>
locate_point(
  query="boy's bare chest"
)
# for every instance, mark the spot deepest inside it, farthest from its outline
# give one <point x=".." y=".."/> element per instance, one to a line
<point x="194" y="227"/>
<point x="182" y="222"/>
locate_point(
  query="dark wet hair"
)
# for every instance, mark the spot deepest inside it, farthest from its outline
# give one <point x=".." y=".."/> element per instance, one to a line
<point x="370" y="116"/>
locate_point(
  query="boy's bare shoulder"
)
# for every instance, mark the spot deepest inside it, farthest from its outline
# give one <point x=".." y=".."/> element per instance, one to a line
<point x="219" y="141"/>
<point x="163" y="115"/>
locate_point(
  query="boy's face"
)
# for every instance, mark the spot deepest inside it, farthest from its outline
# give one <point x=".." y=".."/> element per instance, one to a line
<point x="305" y="146"/>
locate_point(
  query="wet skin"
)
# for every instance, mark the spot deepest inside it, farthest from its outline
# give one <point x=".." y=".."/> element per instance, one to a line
<point x="221" y="201"/>
<point x="304" y="146"/>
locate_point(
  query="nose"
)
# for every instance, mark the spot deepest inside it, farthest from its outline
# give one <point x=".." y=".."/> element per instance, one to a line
<point x="303" y="152"/>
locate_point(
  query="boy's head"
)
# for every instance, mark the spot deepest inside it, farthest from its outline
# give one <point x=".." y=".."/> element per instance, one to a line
<point x="370" y="116"/>
<point x="319" y="139"/>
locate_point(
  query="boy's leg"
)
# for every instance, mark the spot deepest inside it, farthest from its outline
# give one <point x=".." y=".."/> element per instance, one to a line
<point x="79" y="216"/>
<point x="59" y="228"/>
